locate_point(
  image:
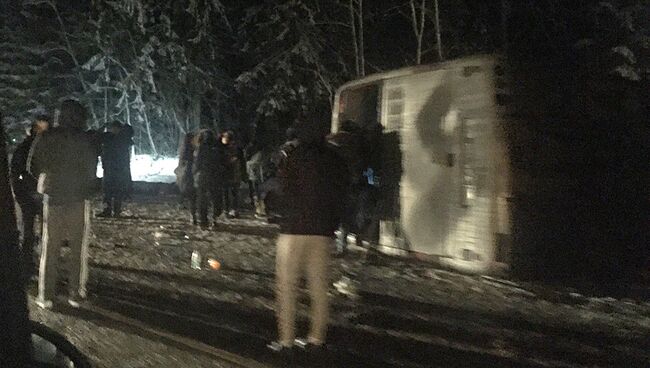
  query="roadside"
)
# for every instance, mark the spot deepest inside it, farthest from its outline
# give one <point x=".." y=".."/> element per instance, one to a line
<point x="405" y="314"/>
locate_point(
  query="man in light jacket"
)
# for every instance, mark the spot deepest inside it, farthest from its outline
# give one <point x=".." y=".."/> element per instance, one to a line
<point x="65" y="160"/>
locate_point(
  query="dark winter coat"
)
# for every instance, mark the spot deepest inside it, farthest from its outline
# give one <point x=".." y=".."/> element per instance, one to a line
<point x="207" y="165"/>
<point x="350" y="147"/>
<point x="116" y="162"/>
<point x="184" y="177"/>
<point x="314" y="181"/>
<point x="22" y="181"/>
<point x="234" y="164"/>
<point x="68" y="158"/>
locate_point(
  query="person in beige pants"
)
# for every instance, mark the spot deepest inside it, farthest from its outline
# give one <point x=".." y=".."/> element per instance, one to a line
<point x="297" y="254"/>
<point x="313" y="183"/>
<point x="68" y="222"/>
<point x="64" y="159"/>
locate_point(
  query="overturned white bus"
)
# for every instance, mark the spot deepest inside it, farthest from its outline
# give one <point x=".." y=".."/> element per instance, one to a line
<point x="448" y="160"/>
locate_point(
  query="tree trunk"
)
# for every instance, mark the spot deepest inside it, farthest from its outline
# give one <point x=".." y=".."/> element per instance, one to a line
<point x="436" y="14"/>
<point x="418" y="28"/>
<point x="355" y="39"/>
<point x="72" y="54"/>
<point x="505" y="13"/>
<point x="362" y="58"/>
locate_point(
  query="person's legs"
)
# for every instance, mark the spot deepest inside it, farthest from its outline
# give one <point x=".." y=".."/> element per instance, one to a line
<point x="288" y="261"/>
<point x="226" y="195"/>
<point x="317" y="256"/>
<point x="117" y="205"/>
<point x="191" y="195"/>
<point x="78" y="227"/>
<point x="217" y="198"/>
<point x="53" y="236"/>
<point x="234" y="205"/>
<point x="346" y="226"/>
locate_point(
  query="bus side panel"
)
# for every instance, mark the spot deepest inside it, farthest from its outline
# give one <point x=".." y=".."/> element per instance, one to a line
<point x="427" y="179"/>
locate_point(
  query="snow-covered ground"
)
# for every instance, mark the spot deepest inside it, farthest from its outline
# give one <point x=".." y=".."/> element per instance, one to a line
<point x="150" y="169"/>
<point x="406" y="314"/>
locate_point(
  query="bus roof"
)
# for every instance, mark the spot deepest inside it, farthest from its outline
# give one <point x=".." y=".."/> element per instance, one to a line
<point x="373" y="78"/>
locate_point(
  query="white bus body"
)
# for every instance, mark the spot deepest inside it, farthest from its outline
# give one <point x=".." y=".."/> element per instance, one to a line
<point x="454" y="186"/>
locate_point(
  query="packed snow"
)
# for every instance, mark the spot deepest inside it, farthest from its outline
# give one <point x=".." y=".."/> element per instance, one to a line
<point x="149" y="169"/>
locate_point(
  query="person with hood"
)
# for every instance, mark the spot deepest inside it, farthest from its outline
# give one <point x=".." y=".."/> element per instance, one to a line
<point x="184" y="177"/>
<point x="206" y="169"/>
<point x="64" y="159"/>
<point x="313" y="179"/>
<point x="24" y="185"/>
<point x="116" y="162"/>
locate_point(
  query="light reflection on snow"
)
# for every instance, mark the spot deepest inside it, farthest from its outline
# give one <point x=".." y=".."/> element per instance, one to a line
<point x="149" y="168"/>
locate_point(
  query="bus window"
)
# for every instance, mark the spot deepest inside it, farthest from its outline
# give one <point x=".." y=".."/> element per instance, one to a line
<point x="360" y="105"/>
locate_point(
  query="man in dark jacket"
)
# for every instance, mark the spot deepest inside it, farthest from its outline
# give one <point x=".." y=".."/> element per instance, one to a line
<point x="234" y="166"/>
<point x="116" y="162"/>
<point x="24" y="186"/>
<point x="65" y="160"/>
<point x="314" y="181"/>
<point x="206" y="170"/>
<point x="184" y="177"/>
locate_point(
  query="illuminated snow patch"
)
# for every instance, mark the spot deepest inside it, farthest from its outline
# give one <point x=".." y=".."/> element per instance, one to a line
<point x="149" y="169"/>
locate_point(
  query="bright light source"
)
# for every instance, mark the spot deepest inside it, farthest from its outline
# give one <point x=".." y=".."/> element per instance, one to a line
<point x="146" y="168"/>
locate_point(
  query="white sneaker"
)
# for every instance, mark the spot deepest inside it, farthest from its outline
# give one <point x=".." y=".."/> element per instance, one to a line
<point x="74" y="303"/>
<point x="44" y="304"/>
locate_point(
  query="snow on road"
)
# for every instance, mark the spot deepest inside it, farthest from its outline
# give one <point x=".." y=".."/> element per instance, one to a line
<point x="407" y="313"/>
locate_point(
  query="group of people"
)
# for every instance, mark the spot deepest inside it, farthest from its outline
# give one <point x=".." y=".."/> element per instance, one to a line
<point x="313" y="183"/>
<point x="209" y="174"/>
<point x="53" y="176"/>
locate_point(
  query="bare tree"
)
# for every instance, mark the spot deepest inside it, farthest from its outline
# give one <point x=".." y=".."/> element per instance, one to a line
<point x="505" y="13"/>
<point x="362" y="56"/>
<point x="418" y="20"/>
<point x="436" y="17"/>
<point x="356" y="25"/>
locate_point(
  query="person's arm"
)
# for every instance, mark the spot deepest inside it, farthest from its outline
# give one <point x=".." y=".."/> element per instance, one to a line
<point x="36" y="163"/>
<point x="18" y="164"/>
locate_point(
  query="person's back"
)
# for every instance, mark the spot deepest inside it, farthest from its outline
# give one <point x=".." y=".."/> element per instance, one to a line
<point x="315" y="184"/>
<point x="348" y="143"/>
<point x="206" y="170"/>
<point x="67" y="157"/>
<point x="207" y="158"/>
<point x="116" y="153"/>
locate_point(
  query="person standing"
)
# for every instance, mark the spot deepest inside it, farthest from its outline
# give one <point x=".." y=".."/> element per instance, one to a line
<point x="24" y="185"/>
<point x="206" y="169"/>
<point x="348" y="143"/>
<point x="64" y="159"/>
<point x="313" y="182"/>
<point x="116" y="162"/>
<point x="232" y="173"/>
<point x="184" y="177"/>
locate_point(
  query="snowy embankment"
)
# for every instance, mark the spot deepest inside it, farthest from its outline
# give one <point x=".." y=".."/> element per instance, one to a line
<point x="150" y="169"/>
